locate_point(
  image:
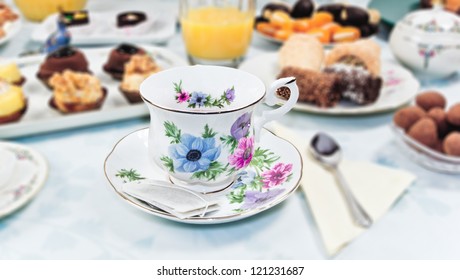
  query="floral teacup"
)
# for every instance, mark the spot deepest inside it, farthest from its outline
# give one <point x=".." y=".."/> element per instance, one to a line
<point x="202" y="128"/>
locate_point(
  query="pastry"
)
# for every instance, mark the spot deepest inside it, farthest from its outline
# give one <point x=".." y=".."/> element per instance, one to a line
<point x="75" y="18"/>
<point x="346" y="34"/>
<point x="363" y="53"/>
<point x="322" y="35"/>
<point x="76" y="92"/>
<point x="321" y="18"/>
<point x="356" y="83"/>
<point x="66" y="58"/>
<point x="425" y="132"/>
<point x="10" y="73"/>
<point x="6" y="15"/>
<point x="430" y="99"/>
<point x="406" y="117"/>
<point x="13" y="104"/>
<point x="131" y="18"/>
<point x="321" y="89"/>
<point x="115" y="65"/>
<point x="139" y="67"/>
<point x="301" y="51"/>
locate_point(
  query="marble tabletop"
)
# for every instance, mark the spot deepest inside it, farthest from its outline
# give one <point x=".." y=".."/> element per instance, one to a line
<point x="78" y="216"/>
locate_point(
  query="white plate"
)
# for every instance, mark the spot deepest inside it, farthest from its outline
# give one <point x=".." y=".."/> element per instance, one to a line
<point x="28" y="177"/>
<point x="40" y="118"/>
<point x="11" y="29"/>
<point x="158" y="28"/>
<point x="130" y="156"/>
<point x="399" y="87"/>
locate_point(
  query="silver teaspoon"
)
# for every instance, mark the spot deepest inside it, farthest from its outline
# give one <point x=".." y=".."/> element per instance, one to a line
<point x="327" y="151"/>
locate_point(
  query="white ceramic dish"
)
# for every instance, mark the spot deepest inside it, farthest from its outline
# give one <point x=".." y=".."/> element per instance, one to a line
<point x="280" y="42"/>
<point x="11" y="29"/>
<point x="425" y="156"/>
<point x="103" y="31"/>
<point x="40" y="117"/>
<point x="399" y="87"/>
<point x="28" y="177"/>
<point x="129" y="161"/>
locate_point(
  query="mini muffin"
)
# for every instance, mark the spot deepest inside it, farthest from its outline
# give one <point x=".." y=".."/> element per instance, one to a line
<point x="76" y="92"/>
<point x="139" y="67"/>
<point x="118" y="57"/>
<point x="13" y="104"/>
<point x="10" y="73"/>
<point x="65" y="58"/>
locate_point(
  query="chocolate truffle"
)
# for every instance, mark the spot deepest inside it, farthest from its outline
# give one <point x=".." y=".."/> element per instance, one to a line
<point x="406" y="117"/>
<point x="302" y="9"/>
<point x="451" y="144"/>
<point x="440" y="117"/>
<point x="430" y="99"/>
<point x="65" y="58"/>
<point x="425" y="132"/>
<point x="118" y="57"/>
<point x="453" y="115"/>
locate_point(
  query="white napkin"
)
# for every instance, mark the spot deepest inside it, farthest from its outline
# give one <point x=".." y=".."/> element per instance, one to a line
<point x="178" y="201"/>
<point x="375" y="187"/>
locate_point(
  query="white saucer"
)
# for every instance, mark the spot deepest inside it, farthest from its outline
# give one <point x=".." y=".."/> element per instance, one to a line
<point x="27" y="178"/>
<point x="399" y="87"/>
<point x="242" y="199"/>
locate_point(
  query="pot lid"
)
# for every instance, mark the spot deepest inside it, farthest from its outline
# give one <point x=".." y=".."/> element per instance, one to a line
<point x="433" y="20"/>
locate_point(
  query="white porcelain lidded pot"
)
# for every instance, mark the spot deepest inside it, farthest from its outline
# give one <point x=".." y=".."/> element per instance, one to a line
<point x="428" y="42"/>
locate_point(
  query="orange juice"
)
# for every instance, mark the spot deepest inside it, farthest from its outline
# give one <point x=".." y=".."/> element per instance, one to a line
<point x="216" y="33"/>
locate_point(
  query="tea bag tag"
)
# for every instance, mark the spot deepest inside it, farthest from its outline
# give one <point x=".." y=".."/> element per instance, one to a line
<point x="178" y="201"/>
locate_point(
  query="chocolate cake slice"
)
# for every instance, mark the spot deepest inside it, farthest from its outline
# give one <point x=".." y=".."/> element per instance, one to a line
<point x="356" y="83"/>
<point x="321" y="89"/>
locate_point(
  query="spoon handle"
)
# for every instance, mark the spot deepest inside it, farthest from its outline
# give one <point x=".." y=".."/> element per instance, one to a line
<point x="359" y="214"/>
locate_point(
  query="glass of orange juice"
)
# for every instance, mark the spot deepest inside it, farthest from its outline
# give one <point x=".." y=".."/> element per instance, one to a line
<point x="217" y="31"/>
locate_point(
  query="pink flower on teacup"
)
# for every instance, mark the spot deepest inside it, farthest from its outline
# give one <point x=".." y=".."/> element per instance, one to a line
<point x="183" y="96"/>
<point x="243" y="153"/>
<point x="277" y="175"/>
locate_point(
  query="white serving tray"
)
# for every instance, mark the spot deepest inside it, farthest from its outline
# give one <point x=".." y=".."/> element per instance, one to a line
<point x="41" y="118"/>
<point x="103" y="31"/>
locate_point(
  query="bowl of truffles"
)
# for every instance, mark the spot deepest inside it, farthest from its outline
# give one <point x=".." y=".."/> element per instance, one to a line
<point x="429" y="132"/>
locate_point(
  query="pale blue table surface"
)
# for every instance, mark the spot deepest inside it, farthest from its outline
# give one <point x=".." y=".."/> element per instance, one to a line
<point x="77" y="215"/>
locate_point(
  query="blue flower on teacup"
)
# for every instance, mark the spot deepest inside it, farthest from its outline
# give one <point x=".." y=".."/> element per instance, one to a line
<point x="198" y="98"/>
<point x="194" y="154"/>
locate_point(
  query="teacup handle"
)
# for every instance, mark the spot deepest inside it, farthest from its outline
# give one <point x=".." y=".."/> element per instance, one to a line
<point x="272" y="100"/>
